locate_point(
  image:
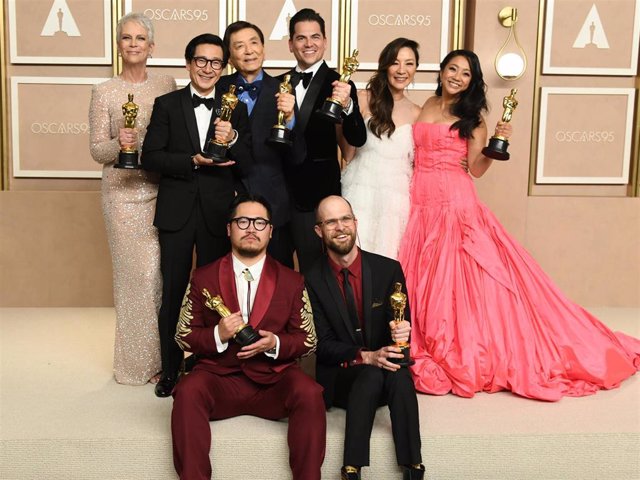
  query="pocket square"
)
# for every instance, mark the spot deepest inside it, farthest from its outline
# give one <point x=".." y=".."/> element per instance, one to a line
<point x="376" y="304"/>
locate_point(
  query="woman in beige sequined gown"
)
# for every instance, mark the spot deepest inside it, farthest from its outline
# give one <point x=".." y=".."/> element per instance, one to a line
<point x="128" y="203"/>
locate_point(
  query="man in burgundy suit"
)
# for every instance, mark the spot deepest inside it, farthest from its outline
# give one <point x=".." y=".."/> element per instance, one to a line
<point x="260" y="379"/>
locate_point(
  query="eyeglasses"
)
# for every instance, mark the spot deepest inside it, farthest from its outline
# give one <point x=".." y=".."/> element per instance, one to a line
<point x="332" y="223"/>
<point x="201" y="62"/>
<point x="243" y="223"/>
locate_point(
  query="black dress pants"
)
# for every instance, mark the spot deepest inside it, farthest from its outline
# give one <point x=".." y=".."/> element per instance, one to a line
<point x="361" y="390"/>
<point x="176" y="260"/>
<point x="308" y="245"/>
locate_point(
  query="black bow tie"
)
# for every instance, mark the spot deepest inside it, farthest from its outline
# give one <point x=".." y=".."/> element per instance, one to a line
<point x="305" y="77"/>
<point x="251" y="88"/>
<point x="197" y="101"/>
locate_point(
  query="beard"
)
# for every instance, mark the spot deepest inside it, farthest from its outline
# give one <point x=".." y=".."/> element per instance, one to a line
<point x="341" y="248"/>
<point x="250" y="250"/>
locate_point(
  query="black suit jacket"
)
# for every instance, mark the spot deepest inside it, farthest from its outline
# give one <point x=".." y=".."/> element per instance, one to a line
<point x="336" y="337"/>
<point x="319" y="174"/>
<point x="266" y="176"/>
<point x="171" y="140"/>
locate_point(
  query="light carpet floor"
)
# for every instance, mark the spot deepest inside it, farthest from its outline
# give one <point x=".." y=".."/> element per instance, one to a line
<point x="62" y="416"/>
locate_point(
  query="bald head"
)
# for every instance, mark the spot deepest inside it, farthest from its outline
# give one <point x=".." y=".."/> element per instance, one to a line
<point x="333" y="206"/>
<point x="337" y="227"/>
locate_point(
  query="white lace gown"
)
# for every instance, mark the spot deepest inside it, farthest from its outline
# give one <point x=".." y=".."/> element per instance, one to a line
<point x="376" y="183"/>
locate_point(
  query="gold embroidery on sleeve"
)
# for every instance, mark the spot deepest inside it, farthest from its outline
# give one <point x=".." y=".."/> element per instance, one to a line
<point x="306" y="314"/>
<point x="185" y="321"/>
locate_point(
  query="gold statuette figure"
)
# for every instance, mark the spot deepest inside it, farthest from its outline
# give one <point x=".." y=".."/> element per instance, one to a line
<point x="398" y="301"/>
<point x="245" y="335"/>
<point x="332" y="108"/>
<point x="215" y="150"/>
<point x="280" y="134"/>
<point x="128" y="156"/>
<point x="497" y="148"/>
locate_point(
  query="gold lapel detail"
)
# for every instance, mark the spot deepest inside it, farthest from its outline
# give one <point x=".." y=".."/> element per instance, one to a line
<point x="306" y="314"/>
<point x="185" y="320"/>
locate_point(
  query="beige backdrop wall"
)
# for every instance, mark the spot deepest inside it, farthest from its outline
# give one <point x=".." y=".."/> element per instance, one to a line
<point x="54" y="252"/>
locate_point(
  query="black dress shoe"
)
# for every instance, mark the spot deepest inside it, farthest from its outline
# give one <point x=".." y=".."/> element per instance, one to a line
<point x="350" y="473"/>
<point x="413" y="472"/>
<point x="165" y="386"/>
<point x="190" y="362"/>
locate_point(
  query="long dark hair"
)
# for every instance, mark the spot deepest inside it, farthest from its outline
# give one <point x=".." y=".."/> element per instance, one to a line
<point x="380" y="99"/>
<point x="473" y="101"/>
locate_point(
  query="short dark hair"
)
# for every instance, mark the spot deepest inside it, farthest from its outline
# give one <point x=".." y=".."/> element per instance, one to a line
<point x="209" y="39"/>
<point x="248" y="198"/>
<point x="236" y="27"/>
<point x="306" y="15"/>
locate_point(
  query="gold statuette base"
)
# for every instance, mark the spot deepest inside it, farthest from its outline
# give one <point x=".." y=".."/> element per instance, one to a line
<point x="216" y="151"/>
<point x="331" y="110"/>
<point x="497" y="149"/>
<point x="405" y="350"/>
<point x="280" y="135"/>
<point x="128" y="159"/>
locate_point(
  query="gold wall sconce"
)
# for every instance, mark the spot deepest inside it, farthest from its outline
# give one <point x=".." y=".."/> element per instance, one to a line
<point x="511" y="61"/>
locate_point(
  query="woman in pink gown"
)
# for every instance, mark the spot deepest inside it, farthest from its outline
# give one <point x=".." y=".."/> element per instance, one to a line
<point x="485" y="317"/>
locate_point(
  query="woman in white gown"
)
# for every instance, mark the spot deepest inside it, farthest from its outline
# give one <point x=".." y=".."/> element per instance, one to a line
<point x="377" y="176"/>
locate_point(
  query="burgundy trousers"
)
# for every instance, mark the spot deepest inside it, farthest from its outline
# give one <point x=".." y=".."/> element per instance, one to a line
<point x="202" y="396"/>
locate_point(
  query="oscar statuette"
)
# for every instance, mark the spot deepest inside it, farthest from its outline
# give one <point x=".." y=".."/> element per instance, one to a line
<point x="398" y="302"/>
<point x="215" y="150"/>
<point x="332" y="108"/>
<point x="497" y="148"/>
<point x="128" y="155"/>
<point x="280" y="134"/>
<point x="245" y="334"/>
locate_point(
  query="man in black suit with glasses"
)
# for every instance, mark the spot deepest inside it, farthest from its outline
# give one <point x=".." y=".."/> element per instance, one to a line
<point x="194" y="191"/>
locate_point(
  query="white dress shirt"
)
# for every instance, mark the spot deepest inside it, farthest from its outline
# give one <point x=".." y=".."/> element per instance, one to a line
<point x="301" y="91"/>
<point x="242" y="288"/>
<point x="203" y="116"/>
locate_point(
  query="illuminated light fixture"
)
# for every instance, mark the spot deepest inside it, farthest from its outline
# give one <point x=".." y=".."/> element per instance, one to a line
<point x="511" y="61"/>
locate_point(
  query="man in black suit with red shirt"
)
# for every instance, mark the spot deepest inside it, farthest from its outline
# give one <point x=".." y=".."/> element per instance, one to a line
<point x="319" y="175"/>
<point x="194" y="192"/>
<point x="350" y="293"/>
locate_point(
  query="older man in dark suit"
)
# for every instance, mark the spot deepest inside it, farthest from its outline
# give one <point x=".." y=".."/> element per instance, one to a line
<point x="194" y="192"/>
<point x="260" y="93"/>
<point x="319" y="175"/>
<point x="350" y="292"/>
<point x="261" y="379"/>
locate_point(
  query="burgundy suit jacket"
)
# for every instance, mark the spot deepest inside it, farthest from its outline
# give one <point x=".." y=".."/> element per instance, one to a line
<point x="281" y="306"/>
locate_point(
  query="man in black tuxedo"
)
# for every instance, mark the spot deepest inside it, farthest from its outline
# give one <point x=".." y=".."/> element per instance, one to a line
<point x="319" y="175"/>
<point x="349" y="291"/>
<point x="260" y="93"/>
<point x="194" y="192"/>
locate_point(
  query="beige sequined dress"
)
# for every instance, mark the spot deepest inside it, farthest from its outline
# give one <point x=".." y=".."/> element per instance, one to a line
<point x="128" y="205"/>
